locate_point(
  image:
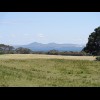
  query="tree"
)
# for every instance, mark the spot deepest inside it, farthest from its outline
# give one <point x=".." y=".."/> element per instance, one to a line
<point x="4" y="49"/>
<point x="93" y="45"/>
<point x="53" y="52"/>
<point x="21" y="50"/>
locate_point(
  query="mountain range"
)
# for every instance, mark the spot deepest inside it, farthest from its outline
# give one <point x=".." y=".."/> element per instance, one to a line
<point x="35" y="46"/>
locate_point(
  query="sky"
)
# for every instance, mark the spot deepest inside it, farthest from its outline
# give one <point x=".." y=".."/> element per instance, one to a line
<point x="20" y="28"/>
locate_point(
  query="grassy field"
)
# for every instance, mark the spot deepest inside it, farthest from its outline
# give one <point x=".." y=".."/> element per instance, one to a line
<point x="48" y="70"/>
<point x="36" y="56"/>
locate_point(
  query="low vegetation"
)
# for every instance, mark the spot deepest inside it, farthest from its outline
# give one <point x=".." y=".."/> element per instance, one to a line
<point x="98" y="58"/>
<point x="30" y="70"/>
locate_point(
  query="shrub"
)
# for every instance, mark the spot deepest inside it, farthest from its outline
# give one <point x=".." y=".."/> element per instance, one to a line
<point x="1" y="52"/>
<point x="53" y="52"/>
<point x="98" y="58"/>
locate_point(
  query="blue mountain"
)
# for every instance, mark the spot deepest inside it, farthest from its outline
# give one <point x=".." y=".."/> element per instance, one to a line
<point x="35" y="46"/>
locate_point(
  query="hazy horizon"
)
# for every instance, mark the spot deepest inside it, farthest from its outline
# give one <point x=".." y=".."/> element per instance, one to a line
<point x="45" y="43"/>
<point x="22" y="28"/>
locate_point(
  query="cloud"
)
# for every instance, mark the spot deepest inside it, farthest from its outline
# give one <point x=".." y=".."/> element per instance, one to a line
<point x="41" y="35"/>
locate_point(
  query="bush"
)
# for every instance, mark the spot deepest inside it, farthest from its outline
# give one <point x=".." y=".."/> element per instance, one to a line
<point x="53" y="52"/>
<point x="98" y="58"/>
<point x="1" y="52"/>
<point x="22" y="50"/>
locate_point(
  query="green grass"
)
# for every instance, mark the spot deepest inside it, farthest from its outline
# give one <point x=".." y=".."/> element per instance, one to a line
<point x="49" y="72"/>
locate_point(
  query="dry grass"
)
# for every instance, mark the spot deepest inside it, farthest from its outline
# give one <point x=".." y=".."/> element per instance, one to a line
<point x="33" y="70"/>
<point x="36" y="56"/>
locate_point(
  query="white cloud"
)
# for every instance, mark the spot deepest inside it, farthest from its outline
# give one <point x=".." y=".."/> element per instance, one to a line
<point x="41" y="35"/>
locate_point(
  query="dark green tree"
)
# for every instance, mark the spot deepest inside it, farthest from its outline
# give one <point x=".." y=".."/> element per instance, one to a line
<point x="53" y="52"/>
<point x="22" y="50"/>
<point x="6" y="49"/>
<point x="93" y="45"/>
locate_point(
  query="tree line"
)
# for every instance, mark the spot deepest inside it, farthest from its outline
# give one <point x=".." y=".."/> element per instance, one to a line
<point x="6" y="49"/>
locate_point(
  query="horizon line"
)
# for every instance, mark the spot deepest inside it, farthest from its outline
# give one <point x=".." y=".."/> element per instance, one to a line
<point x="48" y="43"/>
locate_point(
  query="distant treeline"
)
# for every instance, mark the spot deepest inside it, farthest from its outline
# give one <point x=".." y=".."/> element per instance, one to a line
<point x="65" y="53"/>
<point x="6" y="49"/>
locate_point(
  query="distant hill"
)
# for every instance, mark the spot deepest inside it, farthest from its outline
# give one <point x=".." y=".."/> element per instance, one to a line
<point x="35" y="46"/>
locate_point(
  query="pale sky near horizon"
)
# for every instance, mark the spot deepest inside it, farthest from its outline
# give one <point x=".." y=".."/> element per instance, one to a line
<point x="19" y="28"/>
